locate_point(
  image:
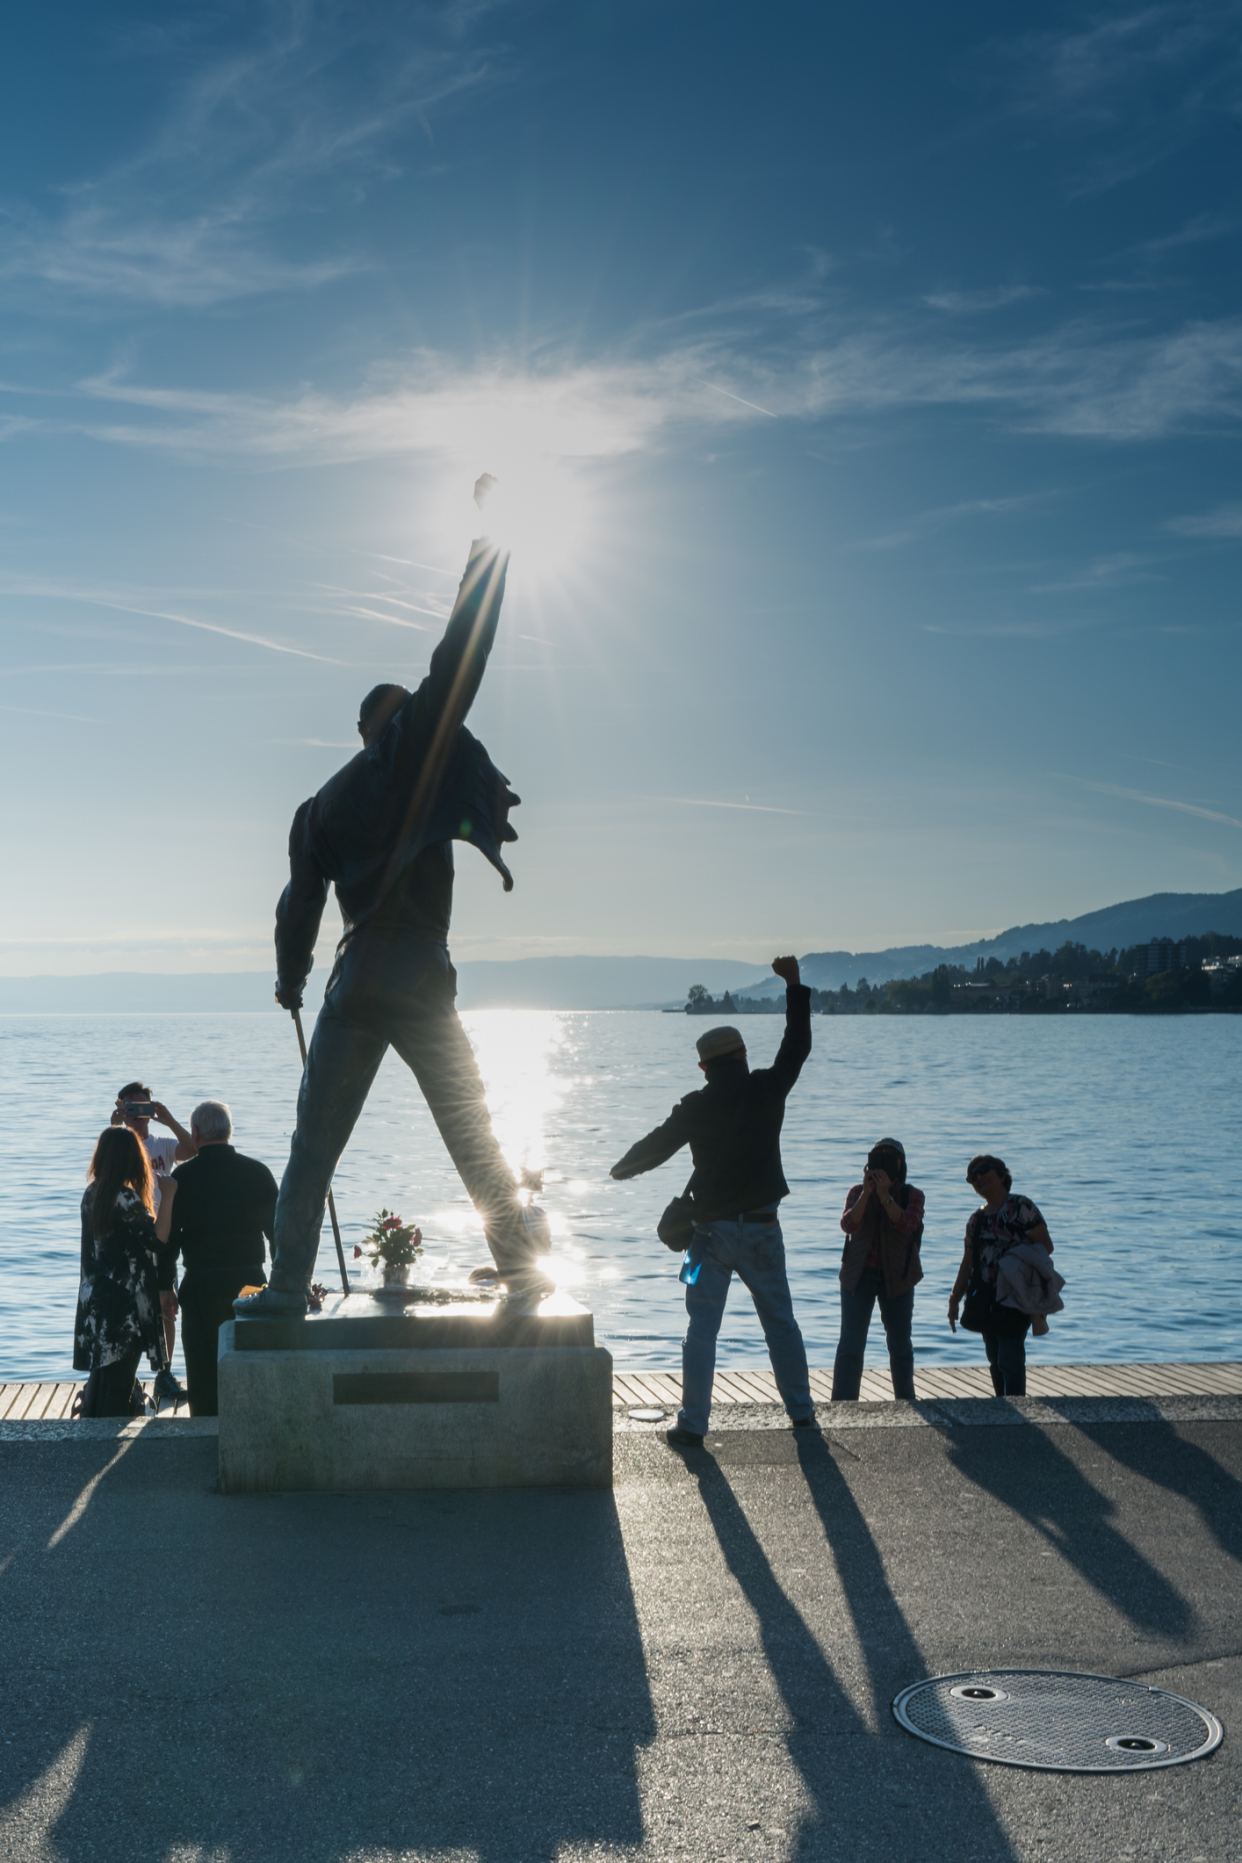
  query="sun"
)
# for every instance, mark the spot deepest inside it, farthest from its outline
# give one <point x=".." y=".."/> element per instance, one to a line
<point x="540" y="510"/>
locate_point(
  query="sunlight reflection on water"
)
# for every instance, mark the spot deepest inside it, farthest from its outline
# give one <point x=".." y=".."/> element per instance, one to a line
<point x="1105" y="1122"/>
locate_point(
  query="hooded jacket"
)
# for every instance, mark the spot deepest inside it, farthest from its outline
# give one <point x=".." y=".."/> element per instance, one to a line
<point x="380" y="829"/>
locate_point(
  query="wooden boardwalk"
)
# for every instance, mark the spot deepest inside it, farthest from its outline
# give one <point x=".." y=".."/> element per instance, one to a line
<point x="754" y="1384"/>
<point x="661" y="1390"/>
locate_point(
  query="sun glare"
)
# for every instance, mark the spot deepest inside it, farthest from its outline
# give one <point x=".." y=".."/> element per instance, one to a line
<point x="539" y="508"/>
<point x="542" y="513"/>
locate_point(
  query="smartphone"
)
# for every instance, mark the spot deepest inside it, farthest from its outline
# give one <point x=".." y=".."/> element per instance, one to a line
<point x="138" y="1109"/>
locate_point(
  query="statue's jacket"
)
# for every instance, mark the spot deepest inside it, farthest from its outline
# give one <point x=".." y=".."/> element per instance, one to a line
<point x="381" y="829"/>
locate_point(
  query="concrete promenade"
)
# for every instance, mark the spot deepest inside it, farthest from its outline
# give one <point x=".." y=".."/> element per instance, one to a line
<point x="697" y="1665"/>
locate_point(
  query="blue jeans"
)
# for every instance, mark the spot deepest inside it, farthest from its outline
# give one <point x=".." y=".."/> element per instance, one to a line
<point x="388" y="989"/>
<point x="756" y="1253"/>
<point x="897" y="1315"/>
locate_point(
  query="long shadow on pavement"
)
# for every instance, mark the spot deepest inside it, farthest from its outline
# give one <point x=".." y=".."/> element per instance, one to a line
<point x="296" y="1677"/>
<point x="869" y="1789"/>
<point x="1160" y="1454"/>
<point x="1044" y="1487"/>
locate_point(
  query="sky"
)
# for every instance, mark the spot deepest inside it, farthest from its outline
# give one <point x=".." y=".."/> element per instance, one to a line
<point x="865" y="381"/>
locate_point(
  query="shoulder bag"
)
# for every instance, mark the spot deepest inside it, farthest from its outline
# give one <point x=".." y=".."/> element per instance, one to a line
<point x="978" y="1305"/>
<point x="676" y="1226"/>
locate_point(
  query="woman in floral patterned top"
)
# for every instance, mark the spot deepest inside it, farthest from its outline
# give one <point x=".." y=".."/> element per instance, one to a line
<point x="119" y="1315"/>
<point x="1002" y="1222"/>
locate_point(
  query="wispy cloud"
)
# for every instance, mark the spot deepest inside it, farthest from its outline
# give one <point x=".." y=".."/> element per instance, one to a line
<point x="940" y="517"/>
<point x="303" y="110"/>
<point x="700" y="802"/>
<point x="1089" y="380"/>
<point x="1121" y="569"/>
<point x="1039" y="627"/>
<point x="1159" y="763"/>
<point x="1201" y="229"/>
<point x="1127" y="92"/>
<point x="976" y="303"/>
<point x="1222" y="521"/>
<point x="1159" y="802"/>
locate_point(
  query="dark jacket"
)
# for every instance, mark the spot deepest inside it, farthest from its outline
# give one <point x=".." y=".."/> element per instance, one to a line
<point x="225" y="1206"/>
<point x="380" y="828"/>
<point x="733" y="1126"/>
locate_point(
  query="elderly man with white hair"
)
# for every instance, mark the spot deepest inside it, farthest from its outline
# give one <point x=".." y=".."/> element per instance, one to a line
<point x="225" y="1208"/>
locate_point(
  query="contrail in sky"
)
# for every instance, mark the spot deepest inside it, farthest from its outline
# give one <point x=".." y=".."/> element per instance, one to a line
<point x="27" y="711"/>
<point x="1160" y="802"/>
<point x="698" y="802"/>
<point x="732" y="397"/>
<point x="166" y="614"/>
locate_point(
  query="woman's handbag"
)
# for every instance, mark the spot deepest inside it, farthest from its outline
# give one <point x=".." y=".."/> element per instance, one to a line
<point x="676" y="1226"/>
<point x="977" y="1306"/>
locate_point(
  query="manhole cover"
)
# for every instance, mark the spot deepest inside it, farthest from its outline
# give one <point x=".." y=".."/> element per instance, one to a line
<point x="1057" y="1721"/>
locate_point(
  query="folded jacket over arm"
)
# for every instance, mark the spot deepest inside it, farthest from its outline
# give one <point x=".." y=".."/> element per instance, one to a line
<point x="1027" y="1280"/>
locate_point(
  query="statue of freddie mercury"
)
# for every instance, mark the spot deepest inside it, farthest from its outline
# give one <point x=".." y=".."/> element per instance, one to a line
<point x="382" y="830"/>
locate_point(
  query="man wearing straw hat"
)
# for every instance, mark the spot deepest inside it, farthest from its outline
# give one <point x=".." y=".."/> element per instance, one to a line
<point x="382" y="831"/>
<point x="733" y="1129"/>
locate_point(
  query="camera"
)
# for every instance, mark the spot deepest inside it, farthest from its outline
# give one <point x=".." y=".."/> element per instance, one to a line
<point x="138" y="1109"/>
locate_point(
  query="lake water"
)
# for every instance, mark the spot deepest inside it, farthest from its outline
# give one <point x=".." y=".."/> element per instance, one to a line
<point x="1126" y="1131"/>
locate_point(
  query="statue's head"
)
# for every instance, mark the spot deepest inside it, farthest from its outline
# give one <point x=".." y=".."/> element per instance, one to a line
<point x="377" y="709"/>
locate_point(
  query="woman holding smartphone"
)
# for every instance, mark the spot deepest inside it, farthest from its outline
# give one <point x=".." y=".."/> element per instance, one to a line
<point x="883" y="1224"/>
<point x="119" y="1316"/>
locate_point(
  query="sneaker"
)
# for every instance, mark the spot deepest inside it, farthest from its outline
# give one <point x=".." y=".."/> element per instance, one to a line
<point x="807" y="1423"/>
<point x="271" y="1303"/>
<point x="166" y="1389"/>
<point x="683" y="1439"/>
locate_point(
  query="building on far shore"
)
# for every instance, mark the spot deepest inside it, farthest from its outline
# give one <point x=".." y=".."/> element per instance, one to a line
<point x="1163" y="954"/>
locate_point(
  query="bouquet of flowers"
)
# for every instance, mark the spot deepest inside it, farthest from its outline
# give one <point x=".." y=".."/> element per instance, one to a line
<point x="391" y="1241"/>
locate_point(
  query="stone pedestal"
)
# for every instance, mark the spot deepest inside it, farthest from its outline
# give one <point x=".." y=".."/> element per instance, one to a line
<point x="374" y="1395"/>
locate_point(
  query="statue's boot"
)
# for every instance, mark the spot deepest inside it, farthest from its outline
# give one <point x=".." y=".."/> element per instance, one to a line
<point x="525" y="1283"/>
<point x="271" y="1303"/>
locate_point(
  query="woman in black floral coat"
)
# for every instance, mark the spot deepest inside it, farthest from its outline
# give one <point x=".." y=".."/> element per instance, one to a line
<point x="119" y="1314"/>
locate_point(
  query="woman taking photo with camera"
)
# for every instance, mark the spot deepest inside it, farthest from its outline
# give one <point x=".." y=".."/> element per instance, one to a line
<point x="119" y="1316"/>
<point x="883" y="1224"/>
<point x="1002" y="1222"/>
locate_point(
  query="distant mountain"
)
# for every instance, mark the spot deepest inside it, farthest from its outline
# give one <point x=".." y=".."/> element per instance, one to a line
<point x="597" y="982"/>
<point x="524" y="983"/>
<point x="125" y="992"/>
<point x="1160" y="915"/>
<point x="633" y="982"/>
